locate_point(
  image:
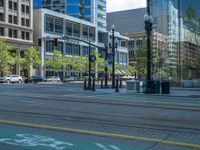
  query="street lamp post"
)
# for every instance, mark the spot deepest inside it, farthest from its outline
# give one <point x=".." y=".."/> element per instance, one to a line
<point x="106" y="67"/>
<point x="148" y="27"/>
<point x="89" y="72"/>
<point x="113" y="56"/>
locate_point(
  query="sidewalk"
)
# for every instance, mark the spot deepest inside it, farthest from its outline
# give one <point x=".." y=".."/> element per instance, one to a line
<point x="177" y="92"/>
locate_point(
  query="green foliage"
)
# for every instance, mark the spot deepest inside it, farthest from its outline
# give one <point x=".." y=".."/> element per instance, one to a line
<point x="191" y="13"/>
<point x="141" y="62"/>
<point x="31" y="57"/>
<point x="79" y="63"/>
<point x="6" y="57"/>
<point x="130" y="70"/>
<point x="56" y="62"/>
<point x="99" y="63"/>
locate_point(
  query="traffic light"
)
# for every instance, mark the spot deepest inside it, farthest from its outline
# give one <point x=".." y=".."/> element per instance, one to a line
<point x="55" y="42"/>
<point x="39" y="42"/>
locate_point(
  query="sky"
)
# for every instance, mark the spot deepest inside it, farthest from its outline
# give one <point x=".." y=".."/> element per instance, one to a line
<point x="117" y="5"/>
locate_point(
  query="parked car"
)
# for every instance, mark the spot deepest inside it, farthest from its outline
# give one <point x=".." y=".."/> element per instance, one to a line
<point x="35" y="79"/>
<point x="53" y="79"/>
<point x="70" y="79"/>
<point x="11" y="79"/>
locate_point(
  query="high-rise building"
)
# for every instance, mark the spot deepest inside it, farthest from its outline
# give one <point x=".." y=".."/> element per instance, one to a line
<point x="170" y="20"/>
<point x="90" y="10"/>
<point x="166" y="21"/>
<point x="16" y="25"/>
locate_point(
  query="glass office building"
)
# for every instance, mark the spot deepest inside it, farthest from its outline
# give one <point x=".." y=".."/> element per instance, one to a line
<point x="90" y="10"/>
<point x="183" y="38"/>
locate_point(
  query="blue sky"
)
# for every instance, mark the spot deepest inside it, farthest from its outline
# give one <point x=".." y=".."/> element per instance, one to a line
<point x="116" y="5"/>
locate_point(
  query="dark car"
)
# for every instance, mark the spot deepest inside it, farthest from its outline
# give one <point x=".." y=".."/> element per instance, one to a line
<point x="35" y="79"/>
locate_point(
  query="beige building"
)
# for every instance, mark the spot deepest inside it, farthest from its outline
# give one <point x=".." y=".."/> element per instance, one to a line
<point x="160" y="58"/>
<point x="16" y="25"/>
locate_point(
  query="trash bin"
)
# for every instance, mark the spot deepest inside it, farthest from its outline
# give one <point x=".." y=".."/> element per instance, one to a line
<point x="156" y="87"/>
<point x="165" y="87"/>
<point x="138" y="86"/>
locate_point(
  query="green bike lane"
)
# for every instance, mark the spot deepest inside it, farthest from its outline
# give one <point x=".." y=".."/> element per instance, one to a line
<point x="26" y="138"/>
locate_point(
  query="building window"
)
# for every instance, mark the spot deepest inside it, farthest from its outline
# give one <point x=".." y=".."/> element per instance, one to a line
<point x="1" y="3"/>
<point x="10" y="18"/>
<point x="15" y="6"/>
<point x="69" y="48"/>
<point x="27" y="9"/>
<point x="123" y="43"/>
<point x="131" y="43"/>
<point x="10" y="33"/>
<point x="49" y="46"/>
<point x="92" y="33"/>
<point x="27" y="22"/>
<point x="15" y="33"/>
<point x="58" y="25"/>
<point x="23" y="35"/>
<point x="85" y="32"/>
<point x="49" y="23"/>
<point x="1" y="31"/>
<point x="23" y="8"/>
<point x="68" y="28"/>
<point x="10" y="4"/>
<point x="23" y="21"/>
<point x="27" y="36"/>
<point x="139" y="42"/>
<point x="76" y="30"/>
<point x="2" y="17"/>
<point x="15" y="20"/>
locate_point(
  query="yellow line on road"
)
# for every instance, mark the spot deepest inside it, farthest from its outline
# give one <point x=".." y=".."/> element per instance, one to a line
<point x="102" y="134"/>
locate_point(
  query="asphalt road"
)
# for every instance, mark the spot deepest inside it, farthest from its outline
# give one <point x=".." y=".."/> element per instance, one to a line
<point x="102" y="119"/>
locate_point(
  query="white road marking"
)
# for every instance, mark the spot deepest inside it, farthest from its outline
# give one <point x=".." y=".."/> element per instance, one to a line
<point x="101" y="146"/>
<point x="115" y="147"/>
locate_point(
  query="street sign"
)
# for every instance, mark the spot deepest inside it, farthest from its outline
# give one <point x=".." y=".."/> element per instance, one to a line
<point x="109" y="56"/>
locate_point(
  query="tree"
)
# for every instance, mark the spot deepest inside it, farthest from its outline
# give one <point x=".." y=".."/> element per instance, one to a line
<point x="6" y="58"/>
<point x="30" y="59"/>
<point x="141" y="62"/>
<point x="99" y="63"/>
<point x="131" y="70"/>
<point x="56" y="62"/>
<point x="79" y="64"/>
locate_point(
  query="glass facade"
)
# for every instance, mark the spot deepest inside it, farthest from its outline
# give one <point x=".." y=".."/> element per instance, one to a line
<point x="81" y="9"/>
<point x="90" y="10"/>
<point x="178" y="21"/>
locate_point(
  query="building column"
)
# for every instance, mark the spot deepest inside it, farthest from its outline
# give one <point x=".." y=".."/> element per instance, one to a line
<point x="18" y="68"/>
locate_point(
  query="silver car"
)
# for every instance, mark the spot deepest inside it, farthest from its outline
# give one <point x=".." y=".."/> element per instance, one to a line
<point x="54" y="79"/>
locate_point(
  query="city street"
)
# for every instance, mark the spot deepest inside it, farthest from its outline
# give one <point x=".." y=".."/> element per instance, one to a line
<point x="64" y="116"/>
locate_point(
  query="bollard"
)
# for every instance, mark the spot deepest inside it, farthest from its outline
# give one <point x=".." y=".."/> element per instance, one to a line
<point x="93" y="86"/>
<point x="85" y="82"/>
<point x="117" y="86"/>
<point x="120" y="83"/>
<point x="101" y="84"/>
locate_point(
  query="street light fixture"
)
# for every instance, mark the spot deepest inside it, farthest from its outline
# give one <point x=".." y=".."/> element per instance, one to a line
<point x="148" y="27"/>
<point x="113" y="55"/>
